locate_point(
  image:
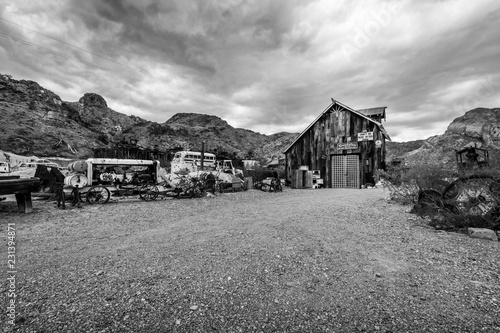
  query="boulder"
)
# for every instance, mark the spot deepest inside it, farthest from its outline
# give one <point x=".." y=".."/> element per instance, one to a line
<point x="90" y="99"/>
<point x="483" y="234"/>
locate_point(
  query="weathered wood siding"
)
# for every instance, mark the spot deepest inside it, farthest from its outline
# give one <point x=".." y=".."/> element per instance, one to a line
<point x="321" y="141"/>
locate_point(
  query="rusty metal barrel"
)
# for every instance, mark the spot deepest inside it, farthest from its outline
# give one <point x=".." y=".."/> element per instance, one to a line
<point x="78" y="166"/>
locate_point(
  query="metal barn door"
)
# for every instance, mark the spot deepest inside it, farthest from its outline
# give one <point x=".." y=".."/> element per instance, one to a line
<point x="345" y="171"/>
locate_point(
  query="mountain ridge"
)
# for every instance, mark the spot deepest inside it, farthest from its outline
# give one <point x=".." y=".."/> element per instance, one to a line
<point x="37" y="121"/>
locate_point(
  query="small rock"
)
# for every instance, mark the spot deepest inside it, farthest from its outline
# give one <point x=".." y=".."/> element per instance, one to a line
<point x="178" y="322"/>
<point x="483" y="234"/>
<point x="193" y="308"/>
<point x="378" y="275"/>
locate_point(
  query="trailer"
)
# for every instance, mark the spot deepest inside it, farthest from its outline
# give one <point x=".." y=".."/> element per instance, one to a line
<point x="95" y="179"/>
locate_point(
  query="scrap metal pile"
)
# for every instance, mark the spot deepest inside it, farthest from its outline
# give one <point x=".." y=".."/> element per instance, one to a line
<point x="95" y="180"/>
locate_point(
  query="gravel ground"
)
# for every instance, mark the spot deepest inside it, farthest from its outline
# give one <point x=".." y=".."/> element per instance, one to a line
<point x="329" y="260"/>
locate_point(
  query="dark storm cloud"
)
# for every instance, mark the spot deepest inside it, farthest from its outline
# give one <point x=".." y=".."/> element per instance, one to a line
<point x="137" y="29"/>
<point x="266" y="65"/>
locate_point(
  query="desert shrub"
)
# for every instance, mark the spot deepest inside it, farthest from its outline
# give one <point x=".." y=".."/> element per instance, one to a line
<point x="158" y="129"/>
<point x="406" y="180"/>
<point x="402" y="188"/>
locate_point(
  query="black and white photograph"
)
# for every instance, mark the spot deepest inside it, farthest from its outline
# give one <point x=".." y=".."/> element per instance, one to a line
<point x="301" y="166"/>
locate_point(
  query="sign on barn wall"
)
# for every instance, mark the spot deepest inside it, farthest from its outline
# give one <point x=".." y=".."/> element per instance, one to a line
<point x="348" y="145"/>
<point x="365" y="136"/>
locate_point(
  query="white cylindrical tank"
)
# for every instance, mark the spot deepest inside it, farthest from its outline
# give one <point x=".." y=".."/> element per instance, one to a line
<point x="76" y="179"/>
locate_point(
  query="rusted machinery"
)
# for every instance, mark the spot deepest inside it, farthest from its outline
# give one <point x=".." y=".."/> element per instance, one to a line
<point x="474" y="193"/>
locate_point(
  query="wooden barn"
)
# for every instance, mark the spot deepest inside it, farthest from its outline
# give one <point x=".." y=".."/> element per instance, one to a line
<point x="341" y="148"/>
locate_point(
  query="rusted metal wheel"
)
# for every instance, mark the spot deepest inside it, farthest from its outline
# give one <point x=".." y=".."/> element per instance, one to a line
<point x="495" y="189"/>
<point x="98" y="194"/>
<point x="276" y="186"/>
<point x="471" y="196"/>
<point x="148" y="192"/>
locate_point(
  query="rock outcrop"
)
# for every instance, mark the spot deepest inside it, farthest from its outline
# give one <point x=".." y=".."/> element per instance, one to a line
<point x="478" y="124"/>
<point x="478" y="127"/>
<point x="89" y="100"/>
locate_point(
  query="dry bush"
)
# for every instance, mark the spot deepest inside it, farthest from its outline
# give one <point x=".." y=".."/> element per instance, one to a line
<point x="406" y="182"/>
<point x="401" y="189"/>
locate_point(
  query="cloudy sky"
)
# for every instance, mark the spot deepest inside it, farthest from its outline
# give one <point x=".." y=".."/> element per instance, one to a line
<point x="263" y="65"/>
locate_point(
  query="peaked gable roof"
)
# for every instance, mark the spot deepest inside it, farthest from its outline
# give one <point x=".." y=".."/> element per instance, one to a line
<point x="334" y="102"/>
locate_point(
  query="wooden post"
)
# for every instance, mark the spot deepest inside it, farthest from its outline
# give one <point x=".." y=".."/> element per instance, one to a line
<point x="24" y="204"/>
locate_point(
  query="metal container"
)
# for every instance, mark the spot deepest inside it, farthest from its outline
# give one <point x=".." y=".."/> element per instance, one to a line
<point x="78" y="166"/>
<point x="76" y="179"/>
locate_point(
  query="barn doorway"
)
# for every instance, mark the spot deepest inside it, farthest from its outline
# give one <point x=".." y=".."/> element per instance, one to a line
<point x="345" y="171"/>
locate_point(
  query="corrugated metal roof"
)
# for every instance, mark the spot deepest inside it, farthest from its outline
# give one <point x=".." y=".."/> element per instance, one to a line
<point x="382" y="129"/>
<point x="378" y="111"/>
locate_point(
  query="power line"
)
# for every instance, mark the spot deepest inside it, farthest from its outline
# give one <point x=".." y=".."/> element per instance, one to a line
<point x="22" y="41"/>
<point x="81" y="61"/>
<point x="77" y="47"/>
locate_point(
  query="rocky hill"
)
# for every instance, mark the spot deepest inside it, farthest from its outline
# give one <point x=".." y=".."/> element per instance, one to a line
<point x="479" y="127"/>
<point x="35" y="121"/>
<point x="189" y="130"/>
<point x="396" y="150"/>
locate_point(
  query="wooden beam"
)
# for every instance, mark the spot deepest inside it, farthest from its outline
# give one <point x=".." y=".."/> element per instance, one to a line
<point x="24" y="203"/>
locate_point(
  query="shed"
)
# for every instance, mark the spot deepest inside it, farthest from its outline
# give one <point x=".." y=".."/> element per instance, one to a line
<point x="342" y="146"/>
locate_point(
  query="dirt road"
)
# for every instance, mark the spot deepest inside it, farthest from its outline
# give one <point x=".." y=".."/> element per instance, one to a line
<point x="324" y="260"/>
